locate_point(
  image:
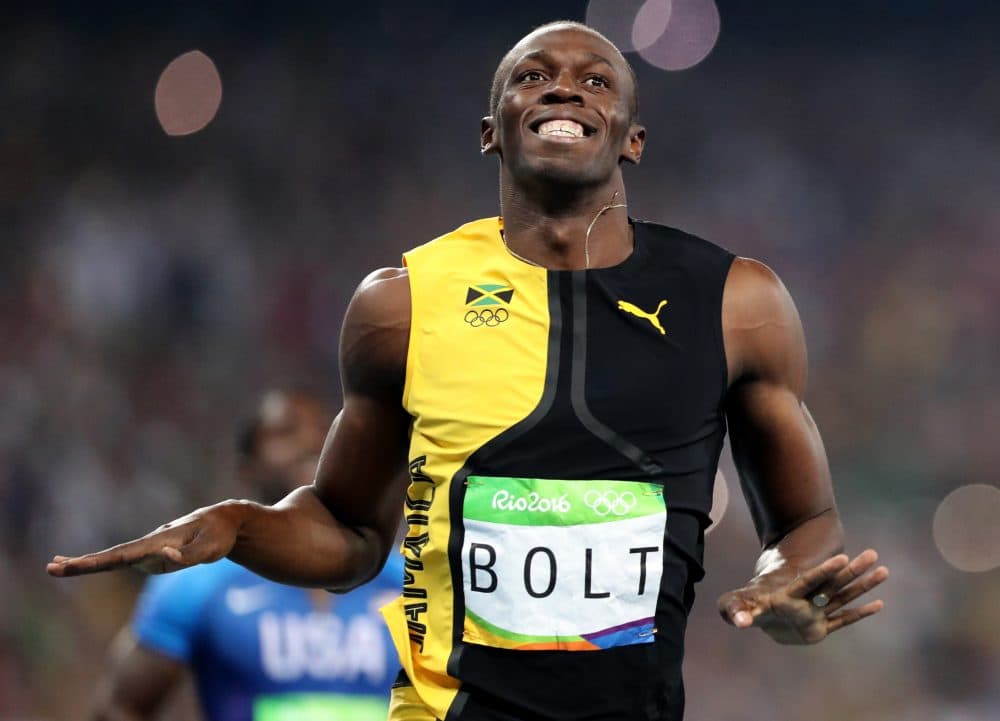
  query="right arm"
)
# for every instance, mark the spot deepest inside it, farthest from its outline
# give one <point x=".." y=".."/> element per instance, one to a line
<point x="337" y="532"/>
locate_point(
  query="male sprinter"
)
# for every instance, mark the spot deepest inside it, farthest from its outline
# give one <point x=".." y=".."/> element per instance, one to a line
<point x="259" y="651"/>
<point x="560" y="405"/>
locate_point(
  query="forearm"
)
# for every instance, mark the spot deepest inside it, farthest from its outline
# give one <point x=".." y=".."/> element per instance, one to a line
<point x="298" y="541"/>
<point x="806" y="545"/>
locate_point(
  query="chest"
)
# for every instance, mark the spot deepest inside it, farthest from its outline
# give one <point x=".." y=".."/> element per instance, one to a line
<point x="642" y="353"/>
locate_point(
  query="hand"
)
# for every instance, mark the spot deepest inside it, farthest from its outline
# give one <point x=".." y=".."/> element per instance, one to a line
<point x="202" y="536"/>
<point x="785" y="610"/>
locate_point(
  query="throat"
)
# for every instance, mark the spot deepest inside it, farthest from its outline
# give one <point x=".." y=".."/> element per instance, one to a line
<point x="600" y="238"/>
<point x="321" y="600"/>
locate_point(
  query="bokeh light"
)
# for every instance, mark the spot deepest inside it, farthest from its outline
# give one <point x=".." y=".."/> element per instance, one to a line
<point x="720" y="501"/>
<point x="616" y="19"/>
<point x="651" y="22"/>
<point x="967" y="528"/>
<point x="188" y="94"/>
<point x="690" y="35"/>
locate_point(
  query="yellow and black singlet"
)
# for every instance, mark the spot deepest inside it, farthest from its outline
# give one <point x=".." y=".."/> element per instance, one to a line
<point x="566" y="430"/>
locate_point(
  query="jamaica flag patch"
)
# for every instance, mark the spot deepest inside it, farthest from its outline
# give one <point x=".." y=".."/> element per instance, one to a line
<point x="488" y="294"/>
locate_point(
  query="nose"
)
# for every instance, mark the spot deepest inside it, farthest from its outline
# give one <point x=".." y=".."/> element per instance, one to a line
<point x="562" y="89"/>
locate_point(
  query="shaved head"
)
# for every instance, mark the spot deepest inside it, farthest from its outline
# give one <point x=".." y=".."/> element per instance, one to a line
<point x="503" y="69"/>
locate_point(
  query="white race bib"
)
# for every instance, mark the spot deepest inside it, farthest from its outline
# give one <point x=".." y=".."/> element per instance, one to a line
<point x="561" y="565"/>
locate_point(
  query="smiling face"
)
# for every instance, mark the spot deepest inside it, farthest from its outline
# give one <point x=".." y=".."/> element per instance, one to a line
<point x="564" y="110"/>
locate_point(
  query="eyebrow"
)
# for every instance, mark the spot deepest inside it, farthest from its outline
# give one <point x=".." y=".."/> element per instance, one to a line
<point x="545" y="55"/>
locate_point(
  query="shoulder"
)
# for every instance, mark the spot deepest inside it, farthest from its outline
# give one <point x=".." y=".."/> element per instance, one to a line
<point x="761" y="326"/>
<point x="382" y="295"/>
<point x="674" y="241"/>
<point x="381" y="302"/>
<point x="375" y="335"/>
<point x="754" y="295"/>
<point x="472" y="237"/>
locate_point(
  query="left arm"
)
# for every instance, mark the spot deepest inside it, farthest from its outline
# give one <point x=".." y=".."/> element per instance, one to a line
<point x="784" y="473"/>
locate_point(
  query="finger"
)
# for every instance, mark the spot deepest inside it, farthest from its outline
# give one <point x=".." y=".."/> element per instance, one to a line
<point x="176" y="555"/>
<point x="858" y="567"/>
<point x="165" y="559"/>
<point x="201" y="548"/>
<point x="812" y="579"/>
<point x="853" y="615"/>
<point x="860" y="587"/>
<point x="739" y="611"/>
<point x="190" y="554"/>
<point x="124" y="554"/>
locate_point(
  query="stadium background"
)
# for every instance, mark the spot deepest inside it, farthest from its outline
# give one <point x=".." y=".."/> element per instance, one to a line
<point x="152" y="285"/>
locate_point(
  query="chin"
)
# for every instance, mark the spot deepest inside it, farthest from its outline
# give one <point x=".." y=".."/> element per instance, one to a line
<point x="559" y="171"/>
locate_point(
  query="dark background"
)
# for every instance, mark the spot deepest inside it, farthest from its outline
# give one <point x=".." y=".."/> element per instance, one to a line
<point x="152" y="286"/>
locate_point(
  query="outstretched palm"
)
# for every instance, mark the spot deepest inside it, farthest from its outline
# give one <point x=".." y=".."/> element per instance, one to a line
<point x="202" y="536"/>
<point x="794" y="613"/>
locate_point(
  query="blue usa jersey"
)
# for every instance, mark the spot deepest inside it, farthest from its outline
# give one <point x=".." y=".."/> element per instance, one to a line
<point x="261" y="651"/>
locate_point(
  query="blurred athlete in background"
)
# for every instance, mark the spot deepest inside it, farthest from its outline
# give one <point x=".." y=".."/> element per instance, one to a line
<point x="258" y="650"/>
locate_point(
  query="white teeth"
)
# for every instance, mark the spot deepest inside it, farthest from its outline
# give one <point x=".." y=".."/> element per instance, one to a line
<point x="564" y="128"/>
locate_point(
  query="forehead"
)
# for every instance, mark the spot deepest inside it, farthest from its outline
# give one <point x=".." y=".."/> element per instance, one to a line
<point x="569" y="41"/>
<point x="276" y="409"/>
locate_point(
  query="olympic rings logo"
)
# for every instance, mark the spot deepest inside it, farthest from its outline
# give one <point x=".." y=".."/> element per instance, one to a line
<point x="603" y="503"/>
<point x="488" y="317"/>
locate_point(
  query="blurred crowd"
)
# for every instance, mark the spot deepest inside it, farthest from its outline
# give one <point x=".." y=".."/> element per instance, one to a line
<point x="151" y="287"/>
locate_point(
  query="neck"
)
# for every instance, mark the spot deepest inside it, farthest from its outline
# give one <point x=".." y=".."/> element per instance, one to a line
<point x="321" y="599"/>
<point x="567" y="229"/>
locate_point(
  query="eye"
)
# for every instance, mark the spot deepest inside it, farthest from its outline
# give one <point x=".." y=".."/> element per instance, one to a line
<point x="530" y="76"/>
<point x="597" y="81"/>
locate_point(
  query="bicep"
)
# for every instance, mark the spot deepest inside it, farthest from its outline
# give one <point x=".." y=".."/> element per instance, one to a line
<point x="776" y="445"/>
<point x="362" y="470"/>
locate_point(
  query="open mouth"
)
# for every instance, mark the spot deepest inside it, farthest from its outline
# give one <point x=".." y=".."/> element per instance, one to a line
<point x="562" y="128"/>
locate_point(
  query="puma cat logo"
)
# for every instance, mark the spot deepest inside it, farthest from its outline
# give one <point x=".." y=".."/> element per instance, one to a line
<point x="635" y="310"/>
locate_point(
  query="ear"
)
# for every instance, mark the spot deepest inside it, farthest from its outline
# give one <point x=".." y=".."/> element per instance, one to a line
<point x="488" y="143"/>
<point x="634" y="143"/>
